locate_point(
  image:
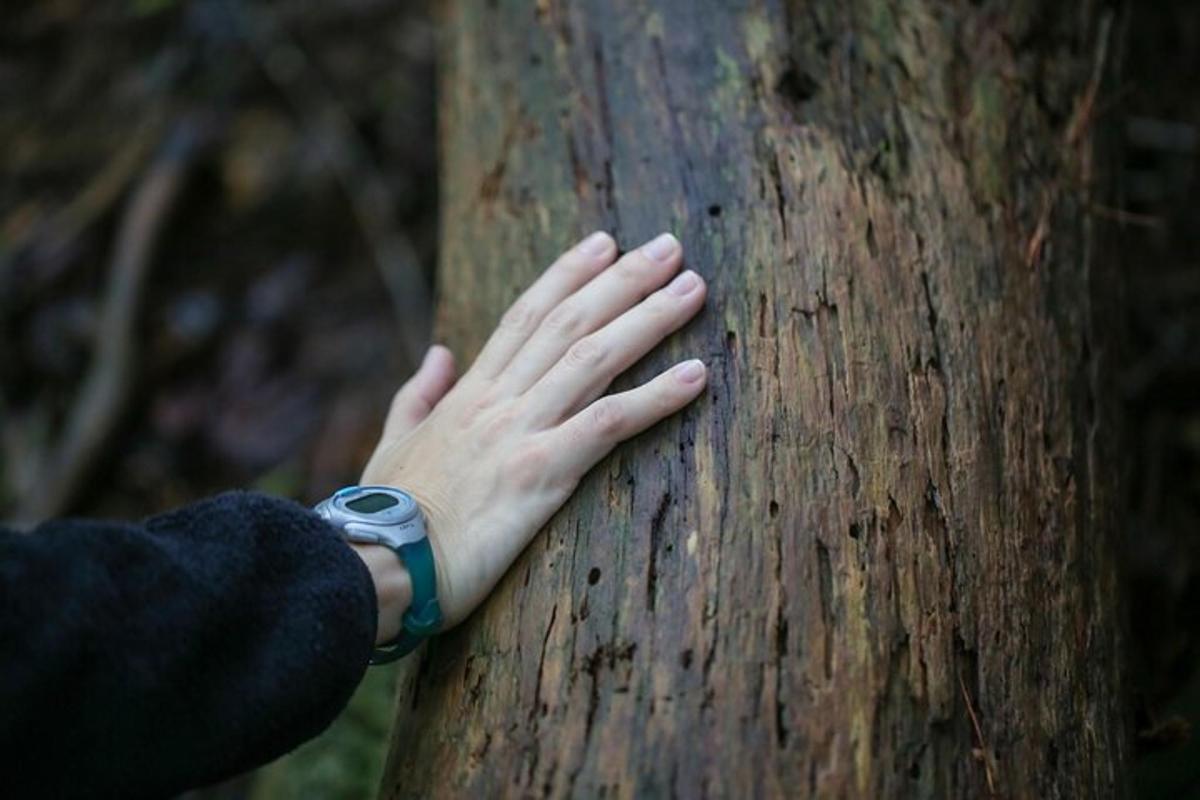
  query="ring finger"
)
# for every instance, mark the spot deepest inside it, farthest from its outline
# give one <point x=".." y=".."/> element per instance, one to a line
<point x="591" y="364"/>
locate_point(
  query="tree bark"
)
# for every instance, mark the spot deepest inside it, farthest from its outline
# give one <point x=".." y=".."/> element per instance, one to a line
<point x="876" y="558"/>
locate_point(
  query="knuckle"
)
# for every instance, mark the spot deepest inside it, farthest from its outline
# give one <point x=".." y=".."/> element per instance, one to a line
<point x="529" y="467"/>
<point x="661" y="307"/>
<point x="483" y="401"/>
<point x="637" y="268"/>
<point x="564" y="319"/>
<point x="399" y="400"/>
<point x="608" y="417"/>
<point x="665" y="400"/>
<point x="588" y="352"/>
<point x="633" y="268"/>
<point x="493" y="427"/>
<point x="520" y="317"/>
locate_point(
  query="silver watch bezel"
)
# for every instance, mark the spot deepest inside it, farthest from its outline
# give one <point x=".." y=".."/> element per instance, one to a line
<point x="392" y="527"/>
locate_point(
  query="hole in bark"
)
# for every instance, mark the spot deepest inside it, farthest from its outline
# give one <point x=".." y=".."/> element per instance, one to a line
<point x="797" y="85"/>
<point x="855" y="530"/>
<point x="714" y="210"/>
<point x="730" y="341"/>
<point x="594" y="576"/>
<point x="773" y="509"/>
<point x="685" y="658"/>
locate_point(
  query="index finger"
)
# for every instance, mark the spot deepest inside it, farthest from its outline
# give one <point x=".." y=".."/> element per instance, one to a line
<point x="570" y="271"/>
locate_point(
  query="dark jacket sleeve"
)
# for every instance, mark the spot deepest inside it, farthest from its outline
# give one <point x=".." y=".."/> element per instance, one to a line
<point x="139" y="660"/>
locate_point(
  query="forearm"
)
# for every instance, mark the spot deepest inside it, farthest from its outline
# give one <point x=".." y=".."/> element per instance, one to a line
<point x="184" y="649"/>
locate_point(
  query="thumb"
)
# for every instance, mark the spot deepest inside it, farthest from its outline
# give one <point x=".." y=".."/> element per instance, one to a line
<point x="421" y="393"/>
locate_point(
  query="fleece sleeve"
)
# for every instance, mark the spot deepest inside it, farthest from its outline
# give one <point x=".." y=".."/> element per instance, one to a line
<point x="143" y="659"/>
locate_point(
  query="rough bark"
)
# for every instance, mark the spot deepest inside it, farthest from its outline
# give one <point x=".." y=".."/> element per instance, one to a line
<point x="875" y="560"/>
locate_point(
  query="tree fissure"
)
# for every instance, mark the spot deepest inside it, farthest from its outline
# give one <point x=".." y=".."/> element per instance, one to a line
<point x="656" y="527"/>
<point x="606" y="132"/>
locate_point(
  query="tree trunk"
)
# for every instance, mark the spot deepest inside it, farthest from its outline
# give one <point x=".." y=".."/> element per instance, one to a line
<point x="876" y="558"/>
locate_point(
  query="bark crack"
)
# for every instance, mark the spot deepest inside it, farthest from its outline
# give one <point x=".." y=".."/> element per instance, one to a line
<point x="656" y="525"/>
<point x="825" y="588"/>
<point x="931" y="317"/>
<point x="538" y="705"/>
<point x="606" y="131"/>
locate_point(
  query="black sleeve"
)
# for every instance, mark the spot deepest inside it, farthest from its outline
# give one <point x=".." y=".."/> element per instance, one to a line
<point x="139" y="660"/>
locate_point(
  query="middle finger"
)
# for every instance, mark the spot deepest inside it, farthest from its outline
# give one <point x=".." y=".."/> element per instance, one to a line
<point x="601" y="300"/>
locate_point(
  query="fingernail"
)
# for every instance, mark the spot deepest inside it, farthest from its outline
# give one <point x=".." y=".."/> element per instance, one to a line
<point x="684" y="282"/>
<point x="595" y="245"/>
<point x="662" y="247"/>
<point x="690" y="371"/>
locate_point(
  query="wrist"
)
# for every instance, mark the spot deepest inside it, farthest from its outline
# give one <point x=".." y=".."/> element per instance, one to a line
<point x="393" y="588"/>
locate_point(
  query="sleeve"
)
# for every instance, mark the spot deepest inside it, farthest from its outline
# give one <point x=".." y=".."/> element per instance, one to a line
<point x="139" y="660"/>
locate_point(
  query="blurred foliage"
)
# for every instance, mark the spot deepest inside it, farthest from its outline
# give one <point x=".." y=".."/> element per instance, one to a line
<point x="1159" y="238"/>
<point x="273" y="321"/>
<point x="272" y="325"/>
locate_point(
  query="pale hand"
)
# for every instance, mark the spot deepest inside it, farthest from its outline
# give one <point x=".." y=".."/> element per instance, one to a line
<point x="491" y="457"/>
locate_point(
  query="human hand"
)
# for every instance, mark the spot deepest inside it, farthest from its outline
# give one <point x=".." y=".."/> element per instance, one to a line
<point x="491" y="457"/>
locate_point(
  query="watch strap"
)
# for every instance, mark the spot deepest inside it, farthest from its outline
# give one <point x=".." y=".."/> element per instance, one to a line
<point x="424" y="615"/>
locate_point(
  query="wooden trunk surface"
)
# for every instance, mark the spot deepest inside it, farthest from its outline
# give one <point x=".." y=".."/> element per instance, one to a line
<point x="874" y="560"/>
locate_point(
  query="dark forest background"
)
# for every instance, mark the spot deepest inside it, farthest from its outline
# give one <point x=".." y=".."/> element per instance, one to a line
<point x="230" y="210"/>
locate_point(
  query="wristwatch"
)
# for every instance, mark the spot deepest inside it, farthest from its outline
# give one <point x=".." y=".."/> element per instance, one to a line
<point x="387" y="516"/>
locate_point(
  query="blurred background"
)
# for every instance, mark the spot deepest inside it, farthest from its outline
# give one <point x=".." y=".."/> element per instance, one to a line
<point x="218" y="223"/>
<point x="218" y="228"/>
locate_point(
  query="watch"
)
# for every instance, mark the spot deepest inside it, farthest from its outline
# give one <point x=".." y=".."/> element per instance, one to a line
<point x="387" y="516"/>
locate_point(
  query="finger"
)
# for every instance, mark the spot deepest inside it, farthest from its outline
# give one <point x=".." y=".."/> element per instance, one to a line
<point x="573" y="269"/>
<point x="613" y="292"/>
<point x="589" y="435"/>
<point x="421" y="393"/>
<point x="592" y="362"/>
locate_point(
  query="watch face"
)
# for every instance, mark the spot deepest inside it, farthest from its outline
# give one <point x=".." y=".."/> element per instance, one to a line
<point x="382" y="504"/>
<point x="370" y="503"/>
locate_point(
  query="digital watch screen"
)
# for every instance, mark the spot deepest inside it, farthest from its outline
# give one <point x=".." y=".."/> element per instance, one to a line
<point x="369" y="504"/>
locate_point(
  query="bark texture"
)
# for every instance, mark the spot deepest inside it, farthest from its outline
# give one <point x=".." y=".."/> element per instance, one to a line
<point x="875" y="559"/>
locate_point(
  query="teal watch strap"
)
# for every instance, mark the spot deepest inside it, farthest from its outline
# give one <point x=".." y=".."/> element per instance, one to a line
<point x="424" y="615"/>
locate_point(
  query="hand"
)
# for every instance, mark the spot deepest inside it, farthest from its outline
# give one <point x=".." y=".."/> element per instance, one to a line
<point x="491" y="457"/>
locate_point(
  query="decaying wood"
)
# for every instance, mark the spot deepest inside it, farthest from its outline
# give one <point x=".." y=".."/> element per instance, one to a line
<point x="875" y="559"/>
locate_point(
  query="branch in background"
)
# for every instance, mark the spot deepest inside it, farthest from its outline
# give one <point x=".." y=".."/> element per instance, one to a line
<point x="349" y="158"/>
<point x="105" y="389"/>
<point x="50" y="240"/>
<point x="1075" y="143"/>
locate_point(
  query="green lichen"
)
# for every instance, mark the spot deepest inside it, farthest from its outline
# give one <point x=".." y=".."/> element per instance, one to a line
<point x="883" y="31"/>
<point x="727" y="88"/>
<point x="886" y="161"/>
<point x="987" y="128"/>
<point x="654" y="25"/>
<point x="759" y="36"/>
